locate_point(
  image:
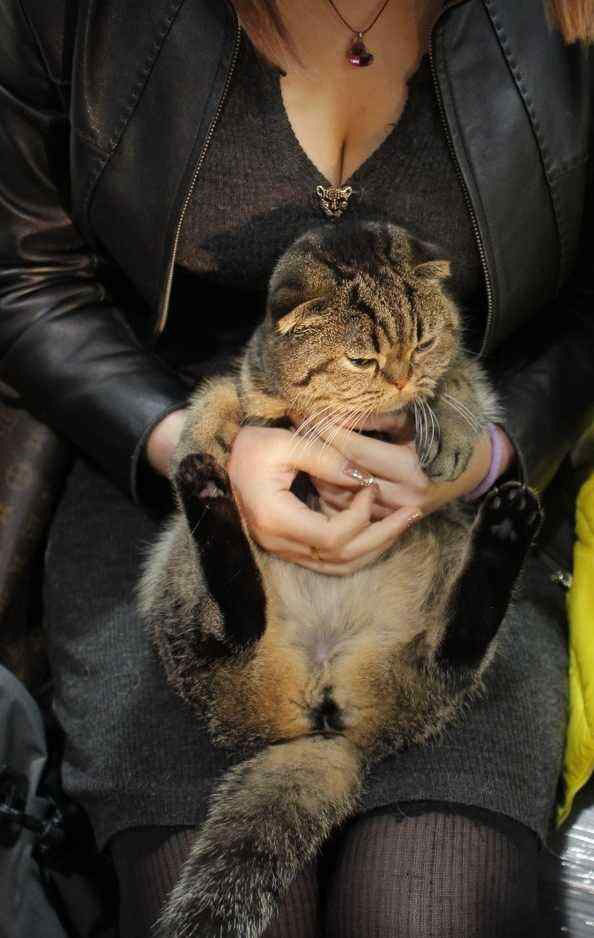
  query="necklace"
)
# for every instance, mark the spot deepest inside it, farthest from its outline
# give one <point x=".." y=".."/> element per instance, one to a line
<point x="357" y="53"/>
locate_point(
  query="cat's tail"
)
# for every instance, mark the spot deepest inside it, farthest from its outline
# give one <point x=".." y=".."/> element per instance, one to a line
<point x="267" y="818"/>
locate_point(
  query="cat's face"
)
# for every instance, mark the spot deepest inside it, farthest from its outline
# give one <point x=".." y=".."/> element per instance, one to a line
<point x="361" y="323"/>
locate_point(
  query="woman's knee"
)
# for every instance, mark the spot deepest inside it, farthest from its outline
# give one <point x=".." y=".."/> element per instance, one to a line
<point x="436" y="874"/>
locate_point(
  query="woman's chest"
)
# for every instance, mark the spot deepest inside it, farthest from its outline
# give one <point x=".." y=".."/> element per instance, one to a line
<point x="259" y="188"/>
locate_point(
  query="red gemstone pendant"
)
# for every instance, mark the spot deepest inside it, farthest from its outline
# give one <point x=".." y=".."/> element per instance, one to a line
<point x="358" y="54"/>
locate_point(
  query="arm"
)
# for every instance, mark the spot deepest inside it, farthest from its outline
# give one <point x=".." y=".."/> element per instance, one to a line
<point x="545" y="377"/>
<point x="64" y="346"/>
<point x="545" y="372"/>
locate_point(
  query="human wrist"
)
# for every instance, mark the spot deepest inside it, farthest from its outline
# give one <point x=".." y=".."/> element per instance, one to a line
<point x="502" y="455"/>
<point x="163" y="439"/>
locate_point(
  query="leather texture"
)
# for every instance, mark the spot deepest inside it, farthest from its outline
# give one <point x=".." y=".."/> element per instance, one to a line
<point x="105" y="112"/>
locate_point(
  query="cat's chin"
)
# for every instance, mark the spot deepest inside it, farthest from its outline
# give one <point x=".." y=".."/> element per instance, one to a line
<point x="396" y="424"/>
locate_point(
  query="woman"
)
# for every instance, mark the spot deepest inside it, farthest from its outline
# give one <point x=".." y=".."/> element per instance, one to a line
<point x="154" y="165"/>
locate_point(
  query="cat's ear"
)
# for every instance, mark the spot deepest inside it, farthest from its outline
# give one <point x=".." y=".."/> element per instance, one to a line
<point x="433" y="270"/>
<point x="302" y="317"/>
<point x="428" y="262"/>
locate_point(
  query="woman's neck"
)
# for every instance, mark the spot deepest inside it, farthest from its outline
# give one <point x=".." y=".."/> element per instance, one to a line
<point x="321" y="39"/>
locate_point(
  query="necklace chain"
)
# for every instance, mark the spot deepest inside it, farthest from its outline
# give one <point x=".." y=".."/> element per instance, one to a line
<point x="359" y="32"/>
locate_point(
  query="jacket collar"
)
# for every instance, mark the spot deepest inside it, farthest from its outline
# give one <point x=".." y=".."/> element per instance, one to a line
<point x="170" y="123"/>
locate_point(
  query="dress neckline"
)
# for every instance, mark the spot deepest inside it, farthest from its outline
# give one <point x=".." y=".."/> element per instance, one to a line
<point x="289" y="141"/>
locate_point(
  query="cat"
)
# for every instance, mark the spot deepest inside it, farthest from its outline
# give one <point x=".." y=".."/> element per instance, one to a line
<point x="317" y="677"/>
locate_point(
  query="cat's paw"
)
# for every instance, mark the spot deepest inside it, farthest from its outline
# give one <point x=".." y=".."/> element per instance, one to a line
<point x="200" y="476"/>
<point x="510" y="518"/>
<point x="450" y="461"/>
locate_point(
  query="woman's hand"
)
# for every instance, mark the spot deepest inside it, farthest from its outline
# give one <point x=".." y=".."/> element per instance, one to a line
<point x="262" y="467"/>
<point x="393" y="492"/>
<point x="163" y="439"/>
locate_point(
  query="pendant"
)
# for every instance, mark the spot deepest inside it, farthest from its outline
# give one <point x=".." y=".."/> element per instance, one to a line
<point x="334" y="199"/>
<point x="358" y="54"/>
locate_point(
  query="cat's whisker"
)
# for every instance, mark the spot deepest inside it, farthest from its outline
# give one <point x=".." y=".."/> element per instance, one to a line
<point x="463" y="412"/>
<point x="341" y="423"/>
<point x="335" y="426"/>
<point x="427" y="429"/>
<point x="420" y="431"/>
<point x="308" y="427"/>
<point x="434" y="426"/>
<point x="328" y="421"/>
<point x="463" y="407"/>
<point x="415" y="407"/>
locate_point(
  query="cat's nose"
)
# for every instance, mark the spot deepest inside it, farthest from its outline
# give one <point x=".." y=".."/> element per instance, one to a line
<point x="399" y="373"/>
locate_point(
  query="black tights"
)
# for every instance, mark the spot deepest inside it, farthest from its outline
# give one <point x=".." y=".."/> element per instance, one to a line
<point x="413" y="871"/>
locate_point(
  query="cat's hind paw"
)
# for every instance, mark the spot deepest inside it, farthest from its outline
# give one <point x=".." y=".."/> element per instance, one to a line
<point x="226" y="557"/>
<point x="200" y="476"/>
<point x="510" y="517"/>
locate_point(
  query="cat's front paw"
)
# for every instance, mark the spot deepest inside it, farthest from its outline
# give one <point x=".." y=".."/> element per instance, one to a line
<point x="451" y="460"/>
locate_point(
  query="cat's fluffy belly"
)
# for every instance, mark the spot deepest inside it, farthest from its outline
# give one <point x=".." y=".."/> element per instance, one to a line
<point x="333" y="654"/>
<point x="327" y="616"/>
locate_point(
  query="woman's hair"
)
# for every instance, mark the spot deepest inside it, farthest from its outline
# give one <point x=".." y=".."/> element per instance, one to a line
<point x="574" y="19"/>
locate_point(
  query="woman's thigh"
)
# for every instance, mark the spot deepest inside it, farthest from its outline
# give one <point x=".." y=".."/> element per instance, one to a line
<point x="416" y="870"/>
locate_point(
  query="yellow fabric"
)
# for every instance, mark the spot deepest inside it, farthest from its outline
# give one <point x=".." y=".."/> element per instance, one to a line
<point x="579" y="751"/>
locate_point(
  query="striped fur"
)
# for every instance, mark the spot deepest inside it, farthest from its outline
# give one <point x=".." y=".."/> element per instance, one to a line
<point x="323" y="675"/>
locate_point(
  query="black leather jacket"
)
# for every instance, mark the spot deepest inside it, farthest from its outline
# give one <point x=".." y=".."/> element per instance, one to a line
<point x="106" y="113"/>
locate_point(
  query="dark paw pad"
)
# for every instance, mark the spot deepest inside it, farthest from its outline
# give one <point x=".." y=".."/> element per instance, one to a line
<point x="201" y="476"/>
<point x="511" y="515"/>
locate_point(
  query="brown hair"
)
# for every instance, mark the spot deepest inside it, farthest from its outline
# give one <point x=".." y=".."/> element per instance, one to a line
<point x="574" y="19"/>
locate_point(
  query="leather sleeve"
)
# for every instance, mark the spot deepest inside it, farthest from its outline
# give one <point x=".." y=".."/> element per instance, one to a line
<point x="545" y="372"/>
<point x="64" y="345"/>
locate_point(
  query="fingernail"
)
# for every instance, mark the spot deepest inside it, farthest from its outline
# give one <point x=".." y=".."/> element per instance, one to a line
<point x="416" y="516"/>
<point x="363" y="478"/>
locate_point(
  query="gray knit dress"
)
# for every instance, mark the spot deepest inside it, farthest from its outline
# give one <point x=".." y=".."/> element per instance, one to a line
<point x="135" y="756"/>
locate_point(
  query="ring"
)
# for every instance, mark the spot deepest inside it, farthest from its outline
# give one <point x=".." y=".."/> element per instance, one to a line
<point x="315" y="554"/>
<point x="364" y="480"/>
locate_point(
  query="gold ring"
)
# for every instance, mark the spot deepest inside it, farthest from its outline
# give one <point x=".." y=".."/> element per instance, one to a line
<point x="315" y="554"/>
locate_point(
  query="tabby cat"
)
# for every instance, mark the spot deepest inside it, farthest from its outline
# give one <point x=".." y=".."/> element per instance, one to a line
<point x="315" y="677"/>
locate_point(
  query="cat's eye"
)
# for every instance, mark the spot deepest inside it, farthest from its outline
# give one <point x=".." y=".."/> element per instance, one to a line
<point x="424" y="346"/>
<point x="362" y="362"/>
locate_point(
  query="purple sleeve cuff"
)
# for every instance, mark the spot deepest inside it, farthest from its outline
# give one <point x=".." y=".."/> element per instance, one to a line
<point x="494" y="470"/>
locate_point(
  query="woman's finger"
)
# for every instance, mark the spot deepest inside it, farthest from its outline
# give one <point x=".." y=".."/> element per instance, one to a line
<point x="356" y="555"/>
<point x="380" y="534"/>
<point x="390" y="495"/>
<point x="297" y="522"/>
<point x="391" y="461"/>
<point x="377" y="511"/>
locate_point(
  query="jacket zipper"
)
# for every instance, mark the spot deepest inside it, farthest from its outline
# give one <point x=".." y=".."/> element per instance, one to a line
<point x="166" y="294"/>
<point x="465" y="190"/>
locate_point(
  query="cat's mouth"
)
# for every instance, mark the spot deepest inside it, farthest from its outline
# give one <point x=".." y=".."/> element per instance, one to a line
<point x="399" y="424"/>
